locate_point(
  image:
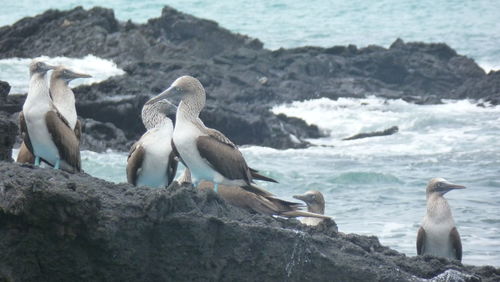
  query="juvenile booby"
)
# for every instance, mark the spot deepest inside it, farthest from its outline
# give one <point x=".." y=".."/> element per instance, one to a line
<point x="151" y="161"/>
<point x="438" y="235"/>
<point x="267" y="204"/>
<point x="315" y="204"/>
<point x="46" y="132"/>
<point x="208" y="154"/>
<point x="64" y="100"/>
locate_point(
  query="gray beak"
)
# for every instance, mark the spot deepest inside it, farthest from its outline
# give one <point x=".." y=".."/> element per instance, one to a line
<point x="300" y="197"/>
<point x="46" y="67"/>
<point x="447" y="186"/>
<point x="79" y="75"/>
<point x="161" y="96"/>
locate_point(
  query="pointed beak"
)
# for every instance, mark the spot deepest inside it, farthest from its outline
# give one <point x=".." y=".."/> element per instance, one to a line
<point x="47" y="67"/>
<point x="161" y="96"/>
<point x="300" y="197"/>
<point x="449" y="186"/>
<point x="80" y="75"/>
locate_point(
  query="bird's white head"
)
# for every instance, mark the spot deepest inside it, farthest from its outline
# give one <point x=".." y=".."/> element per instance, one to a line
<point x="39" y="67"/>
<point x="441" y="186"/>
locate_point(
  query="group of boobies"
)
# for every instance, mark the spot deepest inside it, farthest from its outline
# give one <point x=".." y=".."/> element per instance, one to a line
<point x="51" y="133"/>
<point x="49" y="126"/>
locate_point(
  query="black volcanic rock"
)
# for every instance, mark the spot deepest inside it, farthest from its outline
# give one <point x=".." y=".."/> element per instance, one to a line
<point x="389" y="131"/>
<point x="243" y="80"/>
<point x="8" y="132"/>
<point x="57" y="226"/>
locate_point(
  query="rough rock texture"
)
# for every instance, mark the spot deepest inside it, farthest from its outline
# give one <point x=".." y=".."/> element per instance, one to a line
<point x="61" y="227"/>
<point x="8" y="132"/>
<point x="389" y="131"/>
<point x="8" y="128"/>
<point x="242" y="79"/>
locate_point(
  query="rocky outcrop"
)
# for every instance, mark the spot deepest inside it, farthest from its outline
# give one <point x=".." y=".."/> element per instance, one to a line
<point x="57" y="226"/>
<point x="243" y="80"/>
<point x="8" y="128"/>
<point x="389" y="131"/>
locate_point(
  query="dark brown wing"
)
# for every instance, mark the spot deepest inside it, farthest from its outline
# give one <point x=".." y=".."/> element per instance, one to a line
<point x="219" y="136"/>
<point x="420" y="241"/>
<point x="64" y="138"/>
<point x="78" y="130"/>
<point x="224" y="158"/>
<point x="256" y="175"/>
<point x="25" y="156"/>
<point x="172" y="167"/>
<point x="456" y="243"/>
<point x="134" y="162"/>
<point x="24" y="132"/>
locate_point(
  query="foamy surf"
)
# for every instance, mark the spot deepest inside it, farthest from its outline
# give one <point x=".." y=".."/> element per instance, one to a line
<point x="15" y="70"/>
<point x="423" y="129"/>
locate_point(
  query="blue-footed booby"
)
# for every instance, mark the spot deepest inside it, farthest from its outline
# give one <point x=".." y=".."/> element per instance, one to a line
<point x="208" y="154"/>
<point x="315" y="204"/>
<point x="263" y="203"/>
<point x="151" y="161"/>
<point x="46" y="132"/>
<point x="64" y="100"/>
<point x="438" y="235"/>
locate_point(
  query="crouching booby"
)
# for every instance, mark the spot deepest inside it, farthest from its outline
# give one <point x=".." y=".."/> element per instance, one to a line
<point x="208" y="154"/>
<point x="315" y="204"/>
<point x="64" y="100"/>
<point x="263" y="203"/>
<point x="151" y="161"/>
<point x="438" y="235"/>
<point x="47" y="134"/>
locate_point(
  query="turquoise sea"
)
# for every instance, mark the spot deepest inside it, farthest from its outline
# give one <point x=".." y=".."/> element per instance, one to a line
<point x="373" y="186"/>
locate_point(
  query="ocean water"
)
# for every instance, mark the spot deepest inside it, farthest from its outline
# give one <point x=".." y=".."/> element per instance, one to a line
<point x="471" y="27"/>
<point x="373" y="186"/>
<point x="16" y="70"/>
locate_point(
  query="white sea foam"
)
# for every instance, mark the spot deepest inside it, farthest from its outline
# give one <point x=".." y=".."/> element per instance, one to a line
<point x="427" y="129"/>
<point x="15" y="70"/>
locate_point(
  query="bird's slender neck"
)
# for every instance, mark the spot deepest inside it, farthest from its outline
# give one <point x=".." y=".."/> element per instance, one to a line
<point x="437" y="207"/>
<point x="316" y="208"/>
<point x="153" y="117"/>
<point x="61" y="93"/>
<point x="38" y="88"/>
<point x="189" y="108"/>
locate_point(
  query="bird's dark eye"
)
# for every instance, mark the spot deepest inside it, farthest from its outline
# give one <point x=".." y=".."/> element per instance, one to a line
<point x="178" y="89"/>
<point x="313" y="197"/>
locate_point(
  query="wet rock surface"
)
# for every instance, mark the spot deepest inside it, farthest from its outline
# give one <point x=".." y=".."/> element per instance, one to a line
<point x="243" y="80"/>
<point x="61" y="227"/>
<point x="389" y="131"/>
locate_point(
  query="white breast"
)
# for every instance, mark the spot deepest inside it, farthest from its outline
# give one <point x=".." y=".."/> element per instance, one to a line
<point x="438" y="223"/>
<point x="312" y="221"/>
<point x="185" y="134"/>
<point x="157" y="146"/>
<point x="35" y="108"/>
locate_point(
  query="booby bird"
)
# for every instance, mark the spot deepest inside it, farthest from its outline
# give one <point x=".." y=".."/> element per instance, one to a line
<point x="208" y="154"/>
<point x="46" y="132"/>
<point x="64" y="100"/>
<point x="438" y="235"/>
<point x="267" y="204"/>
<point x="151" y="161"/>
<point x="315" y="204"/>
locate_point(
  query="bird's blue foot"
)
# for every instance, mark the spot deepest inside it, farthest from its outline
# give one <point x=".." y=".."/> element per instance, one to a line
<point x="216" y="188"/>
<point x="37" y="161"/>
<point x="58" y="164"/>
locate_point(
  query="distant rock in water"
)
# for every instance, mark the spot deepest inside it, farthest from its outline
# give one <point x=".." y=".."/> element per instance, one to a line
<point x="243" y="80"/>
<point x="388" y="131"/>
